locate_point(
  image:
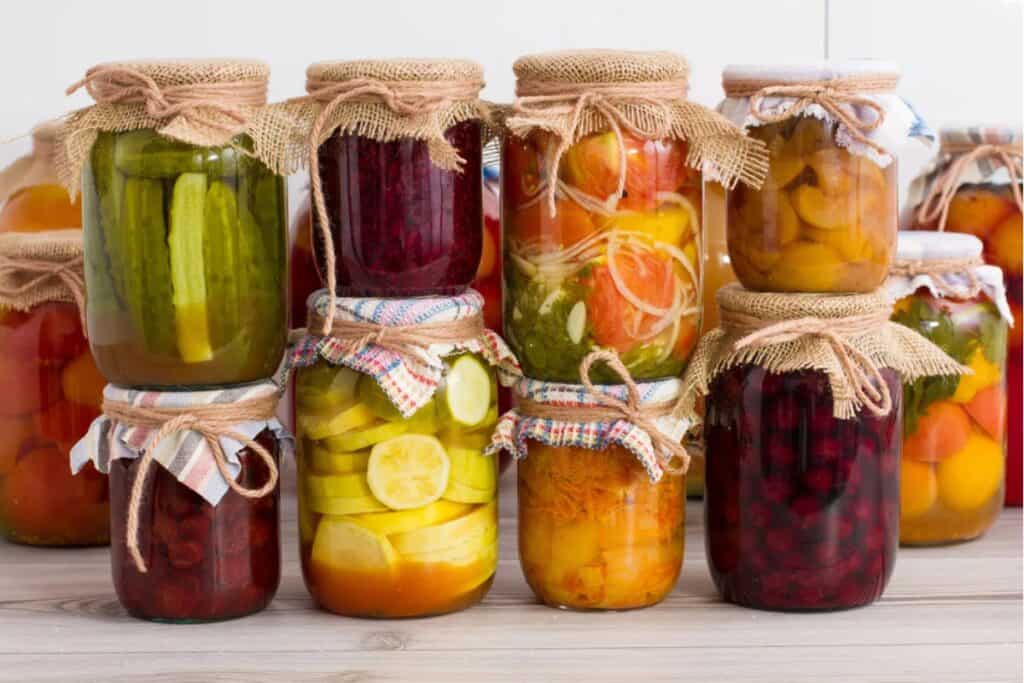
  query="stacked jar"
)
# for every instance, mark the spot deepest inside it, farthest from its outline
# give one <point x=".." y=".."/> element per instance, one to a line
<point x="45" y="359"/>
<point x="184" y="227"/>
<point x="954" y="435"/>
<point x="396" y="387"/>
<point x="976" y="189"/>
<point x="803" y="375"/>
<point x="601" y="219"/>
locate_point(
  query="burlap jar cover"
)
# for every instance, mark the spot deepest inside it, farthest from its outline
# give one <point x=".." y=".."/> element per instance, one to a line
<point x="970" y="155"/>
<point x="207" y="103"/>
<point x="847" y="337"/>
<point x="573" y="94"/>
<point x="642" y="417"/>
<point x="42" y="266"/>
<point x="197" y="436"/>
<point x="35" y="168"/>
<point x="401" y="343"/>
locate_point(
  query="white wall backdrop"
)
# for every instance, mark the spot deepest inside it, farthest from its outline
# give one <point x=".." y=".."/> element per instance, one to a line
<point x="961" y="58"/>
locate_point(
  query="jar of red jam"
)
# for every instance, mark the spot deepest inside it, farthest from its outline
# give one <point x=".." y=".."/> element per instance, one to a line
<point x="802" y="477"/>
<point x="207" y="549"/>
<point x="399" y="164"/>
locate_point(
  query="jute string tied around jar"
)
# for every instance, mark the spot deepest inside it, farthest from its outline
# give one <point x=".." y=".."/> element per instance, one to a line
<point x="576" y="93"/>
<point x="672" y="456"/>
<point x="847" y="337"/>
<point x="937" y="268"/>
<point x="836" y="96"/>
<point x="210" y="421"/>
<point x="936" y="204"/>
<point x="207" y="103"/>
<point x="383" y="100"/>
<point x="39" y="267"/>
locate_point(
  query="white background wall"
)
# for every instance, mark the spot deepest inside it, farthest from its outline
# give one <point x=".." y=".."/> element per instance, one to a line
<point x="961" y="58"/>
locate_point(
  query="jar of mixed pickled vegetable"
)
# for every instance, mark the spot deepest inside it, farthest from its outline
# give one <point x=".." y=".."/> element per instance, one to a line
<point x="600" y="521"/>
<point x="803" y="412"/>
<point x="202" y="549"/>
<point x="954" y="440"/>
<point x="976" y="189"/>
<point x="397" y="500"/>
<point x="399" y="164"/>
<point x="826" y="218"/>
<point x="53" y="393"/>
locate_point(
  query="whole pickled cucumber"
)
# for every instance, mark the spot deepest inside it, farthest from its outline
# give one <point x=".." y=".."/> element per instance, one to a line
<point x="103" y="299"/>
<point x="146" y="154"/>
<point x="222" y="262"/>
<point x="188" y="274"/>
<point x="109" y="186"/>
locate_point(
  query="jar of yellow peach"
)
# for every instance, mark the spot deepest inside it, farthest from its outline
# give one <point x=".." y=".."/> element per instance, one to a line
<point x="825" y="219"/>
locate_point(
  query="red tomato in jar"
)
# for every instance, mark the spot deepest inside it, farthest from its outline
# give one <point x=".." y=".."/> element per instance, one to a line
<point x="28" y="387"/>
<point x="65" y="421"/>
<point x="50" y="333"/>
<point x="616" y="321"/>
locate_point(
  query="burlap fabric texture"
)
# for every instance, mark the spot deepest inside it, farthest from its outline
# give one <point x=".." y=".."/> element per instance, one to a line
<point x="37" y="267"/>
<point x="848" y="337"/>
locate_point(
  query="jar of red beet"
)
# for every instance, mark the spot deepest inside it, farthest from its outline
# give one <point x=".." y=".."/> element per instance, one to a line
<point x="397" y="176"/>
<point x="194" y="513"/>
<point x="802" y="430"/>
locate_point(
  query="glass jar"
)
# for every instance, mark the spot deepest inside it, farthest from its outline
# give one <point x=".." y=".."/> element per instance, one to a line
<point x="488" y="275"/>
<point x="193" y="240"/>
<point x="401" y="225"/>
<point x="204" y="562"/>
<point x="33" y="199"/>
<point x="302" y="274"/>
<point x="954" y="440"/>
<point x="594" y="532"/>
<point x="397" y="516"/>
<point x="591" y="276"/>
<point x="802" y="508"/>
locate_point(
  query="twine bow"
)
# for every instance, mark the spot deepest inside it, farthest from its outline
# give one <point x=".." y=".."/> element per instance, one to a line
<point x="936" y="204"/>
<point x="406" y="98"/>
<point x="936" y="268"/>
<point x="195" y="102"/>
<point x="31" y="274"/>
<point x="864" y="376"/>
<point x="210" y="421"/>
<point x="568" y="101"/>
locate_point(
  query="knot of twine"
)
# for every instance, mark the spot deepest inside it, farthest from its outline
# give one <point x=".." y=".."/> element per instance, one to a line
<point x="34" y="274"/>
<point x="937" y="202"/>
<point x="210" y="421"/>
<point x="561" y="105"/>
<point x="861" y="372"/>
<point x="406" y="98"/>
<point x="195" y="102"/>
<point x="830" y="95"/>
<point x="407" y="341"/>
<point x="672" y="457"/>
<point x="935" y="268"/>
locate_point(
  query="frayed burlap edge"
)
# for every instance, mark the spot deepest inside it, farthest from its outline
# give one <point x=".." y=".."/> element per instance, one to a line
<point x="55" y="247"/>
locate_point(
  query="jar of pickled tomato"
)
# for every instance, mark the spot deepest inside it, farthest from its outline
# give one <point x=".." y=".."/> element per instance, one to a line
<point x="204" y="547"/>
<point x="601" y="522"/>
<point x="399" y="168"/>
<point x="601" y="220"/>
<point x="826" y="218"/>
<point x="976" y="189"/>
<point x="954" y="435"/>
<point x="802" y="479"/>
<point x="188" y="235"/>
<point x="397" y="501"/>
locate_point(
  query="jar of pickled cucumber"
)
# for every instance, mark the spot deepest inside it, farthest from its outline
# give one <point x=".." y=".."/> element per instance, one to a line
<point x="803" y="412"/>
<point x="186" y="222"/>
<point x="954" y="440"/>
<point x="602" y="220"/>
<point x="826" y="218"/>
<point x="601" y="521"/>
<point x="976" y="189"/>
<point x="194" y="527"/>
<point x="397" y="501"/>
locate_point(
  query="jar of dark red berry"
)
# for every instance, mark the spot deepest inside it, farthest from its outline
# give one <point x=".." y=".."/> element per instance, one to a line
<point x="802" y="431"/>
<point x="399" y="171"/>
<point x="195" y="513"/>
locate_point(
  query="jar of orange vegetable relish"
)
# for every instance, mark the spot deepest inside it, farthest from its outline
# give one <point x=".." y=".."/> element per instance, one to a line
<point x="397" y="500"/>
<point x="601" y="511"/>
<point x="952" y="467"/>
<point x="826" y="218"/>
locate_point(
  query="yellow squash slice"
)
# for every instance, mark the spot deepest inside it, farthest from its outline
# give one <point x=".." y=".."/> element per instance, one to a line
<point x="459" y="532"/>
<point x="342" y="544"/>
<point x="408" y="471"/>
<point x="400" y="521"/>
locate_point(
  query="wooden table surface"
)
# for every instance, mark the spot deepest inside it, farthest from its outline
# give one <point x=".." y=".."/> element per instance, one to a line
<point x="949" y="614"/>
